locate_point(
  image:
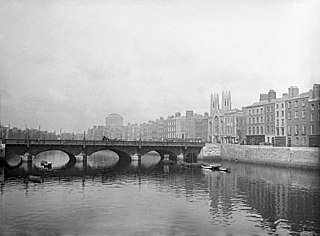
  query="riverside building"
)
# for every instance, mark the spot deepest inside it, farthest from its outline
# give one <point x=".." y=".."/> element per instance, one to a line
<point x="292" y="120"/>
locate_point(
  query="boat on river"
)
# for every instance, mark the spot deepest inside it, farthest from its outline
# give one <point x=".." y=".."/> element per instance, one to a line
<point x="46" y="164"/>
<point x="35" y="179"/>
<point x="211" y="166"/>
<point x="217" y="167"/>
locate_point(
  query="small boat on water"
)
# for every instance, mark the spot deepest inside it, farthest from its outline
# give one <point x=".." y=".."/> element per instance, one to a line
<point x="206" y="167"/>
<point x="211" y="167"/>
<point x="215" y="167"/>
<point x="224" y="169"/>
<point x="46" y="164"/>
<point x="35" y="179"/>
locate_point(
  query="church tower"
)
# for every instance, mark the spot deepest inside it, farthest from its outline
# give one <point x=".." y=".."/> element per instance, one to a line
<point x="214" y="104"/>
<point x="226" y="101"/>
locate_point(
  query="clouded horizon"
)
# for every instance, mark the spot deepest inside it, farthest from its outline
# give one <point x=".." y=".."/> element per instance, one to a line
<point x="68" y="64"/>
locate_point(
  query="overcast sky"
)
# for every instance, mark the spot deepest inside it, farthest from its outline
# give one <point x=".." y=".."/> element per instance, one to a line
<point x="69" y="64"/>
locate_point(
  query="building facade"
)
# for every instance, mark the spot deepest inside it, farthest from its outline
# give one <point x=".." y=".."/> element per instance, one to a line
<point x="303" y="118"/>
<point x="292" y="120"/>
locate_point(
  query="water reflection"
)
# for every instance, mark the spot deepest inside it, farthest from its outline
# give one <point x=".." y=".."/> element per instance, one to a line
<point x="163" y="199"/>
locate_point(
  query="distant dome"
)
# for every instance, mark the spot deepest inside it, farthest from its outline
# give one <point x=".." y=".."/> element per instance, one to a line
<point x="114" y="115"/>
<point x="114" y="120"/>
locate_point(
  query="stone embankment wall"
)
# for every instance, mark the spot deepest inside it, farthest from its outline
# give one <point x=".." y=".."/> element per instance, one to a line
<point x="210" y="151"/>
<point x="301" y="157"/>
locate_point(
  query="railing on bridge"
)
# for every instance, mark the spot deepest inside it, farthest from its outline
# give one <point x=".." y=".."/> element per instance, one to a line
<point x="100" y="142"/>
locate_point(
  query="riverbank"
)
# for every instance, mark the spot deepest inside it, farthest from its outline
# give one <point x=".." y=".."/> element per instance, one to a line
<point x="298" y="157"/>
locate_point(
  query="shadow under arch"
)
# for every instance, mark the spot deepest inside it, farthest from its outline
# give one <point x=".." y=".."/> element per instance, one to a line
<point x="167" y="154"/>
<point x="13" y="166"/>
<point x="191" y="157"/>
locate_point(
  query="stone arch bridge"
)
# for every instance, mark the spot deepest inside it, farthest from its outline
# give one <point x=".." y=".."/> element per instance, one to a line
<point x="124" y="149"/>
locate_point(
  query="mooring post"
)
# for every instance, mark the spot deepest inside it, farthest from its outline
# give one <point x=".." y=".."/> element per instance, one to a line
<point x="84" y="159"/>
<point x="139" y="156"/>
<point x="184" y="154"/>
<point x="29" y="161"/>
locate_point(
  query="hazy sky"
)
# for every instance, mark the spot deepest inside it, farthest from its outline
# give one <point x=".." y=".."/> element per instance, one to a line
<point x="68" y="64"/>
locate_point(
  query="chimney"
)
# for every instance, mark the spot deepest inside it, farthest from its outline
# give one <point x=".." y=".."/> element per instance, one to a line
<point x="293" y="91"/>
<point x="271" y="95"/>
<point x="316" y="91"/>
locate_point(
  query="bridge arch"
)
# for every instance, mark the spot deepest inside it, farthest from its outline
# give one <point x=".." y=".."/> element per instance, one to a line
<point x="124" y="156"/>
<point x="172" y="153"/>
<point x="37" y="152"/>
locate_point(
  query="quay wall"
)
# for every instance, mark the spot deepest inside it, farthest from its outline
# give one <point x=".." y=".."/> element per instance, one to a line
<point x="300" y="157"/>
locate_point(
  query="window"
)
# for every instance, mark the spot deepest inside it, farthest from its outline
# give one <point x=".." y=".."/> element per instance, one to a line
<point x="277" y="113"/>
<point x="253" y="130"/>
<point x="282" y="122"/>
<point x="297" y="141"/>
<point x="277" y="106"/>
<point x="312" y="117"/>
<point x="267" y="109"/>
<point x="303" y="131"/>
<point x="304" y="140"/>
<point x="282" y="113"/>
<point x="303" y="103"/>
<point x="282" y="131"/>
<point x="249" y="130"/>
<point x="249" y="112"/>
<point x="267" y="118"/>
<point x="282" y="105"/>
<point x="296" y="130"/>
<point x="295" y="103"/>
<point x="258" y="130"/>
<point x="253" y="120"/>
<point x="277" y="129"/>
<point x="261" y="129"/>
<point x="289" y="105"/>
<point x="296" y="114"/>
<point x="252" y="111"/>
<point x="261" y="111"/>
<point x="272" y="130"/>
<point x="303" y="115"/>
<point x="261" y="119"/>
<point x="268" y="130"/>
<point x="271" y="118"/>
<point x="289" y="115"/>
<point x="257" y="111"/>
<point x="312" y="129"/>
<point x="312" y="107"/>
<point x="289" y="130"/>
<point x="249" y="120"/>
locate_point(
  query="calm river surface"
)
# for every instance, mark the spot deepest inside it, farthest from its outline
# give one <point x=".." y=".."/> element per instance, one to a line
<point x="101" y="197"/>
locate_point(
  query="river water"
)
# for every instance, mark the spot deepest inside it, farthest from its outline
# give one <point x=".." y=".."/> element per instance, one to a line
<point x="102" y="197"/>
